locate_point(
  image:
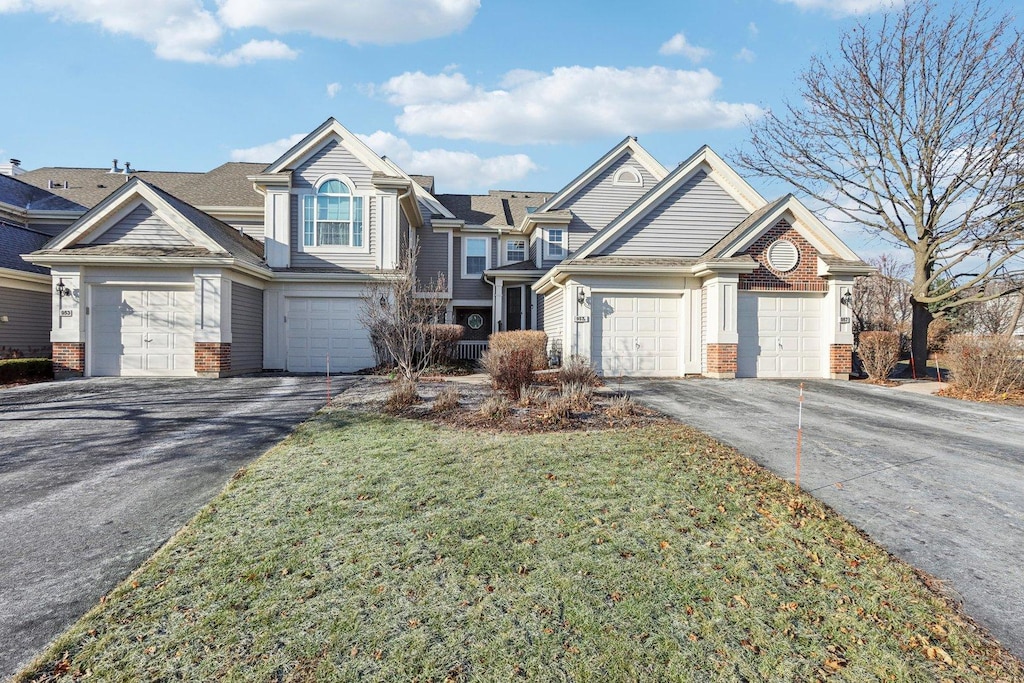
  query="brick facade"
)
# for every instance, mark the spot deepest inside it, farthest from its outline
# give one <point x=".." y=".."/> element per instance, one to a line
<point x="213" y="359"/>
<point x="840" y="360"/>
<point x="68" y="359"/>
<point x="803" y="278"/>
<point x="721" y="360"/>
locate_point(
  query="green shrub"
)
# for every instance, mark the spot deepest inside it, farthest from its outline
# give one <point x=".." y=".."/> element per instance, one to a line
<point x="510" y="369"/>
<point x="21" y="369"/>
<point x="535" y="341"/>
<point x="986" y="366"/>
<point x="880" y="352"/>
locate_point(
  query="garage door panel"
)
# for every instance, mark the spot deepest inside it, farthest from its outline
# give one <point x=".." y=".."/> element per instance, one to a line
<point x="779" y="335"/>
<point x="141" y="331"/>
<point x="636" y="335"/>
<point x="322" y="326"/>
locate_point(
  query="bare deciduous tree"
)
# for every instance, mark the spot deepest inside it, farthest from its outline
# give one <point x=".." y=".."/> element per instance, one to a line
<point x="399" y="311"/>
<point x="881" y="301"/>
<point x="1000" y="315"/>
<point x="915" y="130"/>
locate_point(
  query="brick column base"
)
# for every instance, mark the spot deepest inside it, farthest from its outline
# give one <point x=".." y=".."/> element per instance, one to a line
<point x="68" y="359"/>
<point x="213" y="359"/>
<point x="721" y="361"/>
<point x="840" y="360"/>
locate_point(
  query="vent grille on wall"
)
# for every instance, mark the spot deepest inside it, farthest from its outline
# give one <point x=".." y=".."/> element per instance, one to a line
<point x="783" y="256"/>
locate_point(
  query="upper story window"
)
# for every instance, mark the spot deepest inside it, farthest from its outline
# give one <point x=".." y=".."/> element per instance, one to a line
<point x="515" y="250"/>
<point x="475" y="256"/>
<point x="554" y="244"/>
<point x="628" y="177"/>
<point x="333" y="217"/>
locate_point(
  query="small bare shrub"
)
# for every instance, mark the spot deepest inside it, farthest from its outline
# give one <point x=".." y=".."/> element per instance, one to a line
<point x="441" y="341"/>
<point x="621" y="406"/>
<point x="986" y="366"/>
<point x="939" y="332"/>
<point x="535" y="341"/>
<point x="579" y="396"/>
<point x="557" y="410"/>
<point x="496" y="407"/>
<point x="532" y="396"/>
<point x="402" y="396"/>
<point x="578" y="370"/>
<point x="510" y="369"/>
<point x="880" y="352"/>
<point x="447" y="399"/>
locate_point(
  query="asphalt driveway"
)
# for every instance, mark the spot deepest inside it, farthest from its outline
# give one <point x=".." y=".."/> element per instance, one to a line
<point x="938" y="482"/>
<point x="96" y="474"/>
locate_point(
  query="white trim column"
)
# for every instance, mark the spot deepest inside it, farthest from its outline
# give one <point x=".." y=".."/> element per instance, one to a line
<point x="722" y="333"/>
<point x="278" y="229"/>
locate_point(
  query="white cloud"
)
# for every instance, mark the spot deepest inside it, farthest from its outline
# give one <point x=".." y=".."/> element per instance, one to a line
<point x="845" y="8"/>
<point x="268" y="152"/>
<point x="380" y="22"/>
<point x="333" y="89"/>
<point x="419" y="88"/>
<point x="179" y="30"/>
<point x="570" y="103"/>
<point x="753" y="30"/>
<point x="746" y="55"/>
<point x="452" y="171"/>
<point x="678" y="45"/>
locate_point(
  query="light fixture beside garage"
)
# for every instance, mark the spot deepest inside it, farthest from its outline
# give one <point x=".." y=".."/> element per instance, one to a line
<point x="783" y="255"/>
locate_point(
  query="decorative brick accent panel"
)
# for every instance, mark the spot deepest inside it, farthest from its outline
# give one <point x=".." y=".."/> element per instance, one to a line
<point x="213" y="358"/>
<point x="721" y="360"/>
<point x="68" y="359"/>
<point x="803" y="278"/>
<point x="841" y="359"/>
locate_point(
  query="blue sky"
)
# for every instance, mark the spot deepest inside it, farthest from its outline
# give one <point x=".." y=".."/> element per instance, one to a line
<point x="480" y="93"/>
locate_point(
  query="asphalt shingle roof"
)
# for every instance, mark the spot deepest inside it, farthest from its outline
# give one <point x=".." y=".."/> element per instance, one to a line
<point x="498" y="208"/>
<point x="24" y="195"/>
<point x="14" y="242"/>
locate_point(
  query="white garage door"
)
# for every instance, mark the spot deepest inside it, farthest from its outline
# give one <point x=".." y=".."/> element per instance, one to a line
<point x="636" y="335"/>
<point x="779" y="335"/>
<point x="142" y="332"/>
<point x="317" y="327"/>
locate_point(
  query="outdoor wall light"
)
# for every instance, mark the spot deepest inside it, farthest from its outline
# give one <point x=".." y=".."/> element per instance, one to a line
<point x="383" y="301"/>
<point x="580" y="297"/>
<point x="4" y="319"/>
<point x="62" y="289"/>
<point x="846" y="299"/>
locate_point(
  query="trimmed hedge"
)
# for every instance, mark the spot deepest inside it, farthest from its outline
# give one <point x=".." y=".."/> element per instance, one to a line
<point x="880" y="352"/>
<point x="534" y="341"/>
<point x="19" y="369"/>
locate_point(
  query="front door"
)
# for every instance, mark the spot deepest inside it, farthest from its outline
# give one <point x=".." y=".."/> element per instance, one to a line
<point x="514" y="308"/>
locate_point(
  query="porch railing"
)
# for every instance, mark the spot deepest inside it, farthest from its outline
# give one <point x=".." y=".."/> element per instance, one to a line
<point x="470" y="350"/>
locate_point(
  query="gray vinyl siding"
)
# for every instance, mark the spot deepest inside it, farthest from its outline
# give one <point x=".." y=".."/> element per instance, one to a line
<point x="470" y="288"/>
<point x="246" y="328"/>
<point x="686" y="223"/>
<point x="253" y="228"/>
<point x="28" y="321"/>
<point x="433" y="257"/>
<point x="333" y="158"/>
<point x="141" y="227"/>
<point x="599" y="202"/>
<point x="355" y="260"/>
<point x="553" y="323"/>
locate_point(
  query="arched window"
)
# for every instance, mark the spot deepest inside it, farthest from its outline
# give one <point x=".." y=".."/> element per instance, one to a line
<point x="628" y="177"/>
<point x="333" y="217"/>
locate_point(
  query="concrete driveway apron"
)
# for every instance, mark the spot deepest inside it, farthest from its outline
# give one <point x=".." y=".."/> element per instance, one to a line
<point x="96" y="474"/>
<point x="938" y="482"/>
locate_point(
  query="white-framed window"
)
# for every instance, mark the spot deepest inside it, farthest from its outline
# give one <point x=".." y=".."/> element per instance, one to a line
<point x="476" y="256"/>
<point x="333" y="217"/>
<point x="628" y="177"/>
<point x="515" y="250"/>
<point x="554" y="243"/>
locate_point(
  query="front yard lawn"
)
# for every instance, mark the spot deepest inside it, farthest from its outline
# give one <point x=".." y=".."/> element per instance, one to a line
<point x="366" y="547"/>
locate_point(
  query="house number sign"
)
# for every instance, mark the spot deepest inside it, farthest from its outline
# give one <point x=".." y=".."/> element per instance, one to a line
<point x="583" y="318"/>
<point x="66" y="313"/>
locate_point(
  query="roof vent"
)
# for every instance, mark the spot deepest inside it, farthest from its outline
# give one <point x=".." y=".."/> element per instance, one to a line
<point x="15" y="162"/>
<point x="128" y="168"/>
<point x="783" y="255"/>
<point x="113" y="167"/>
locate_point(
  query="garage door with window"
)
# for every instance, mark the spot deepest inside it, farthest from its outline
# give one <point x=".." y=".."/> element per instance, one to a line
<point x="318" y="327"/>
<point x="779" y="335"/>
<point x="636" y="335"/>
<point x="140" y="331"/>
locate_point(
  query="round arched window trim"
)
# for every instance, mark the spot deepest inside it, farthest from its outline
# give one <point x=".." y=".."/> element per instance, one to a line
<point x="783" y="255"/>
<point x="628" y="177"/>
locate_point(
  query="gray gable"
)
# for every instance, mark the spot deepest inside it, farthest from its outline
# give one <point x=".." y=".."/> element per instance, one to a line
<point x="141" y="227"/>
<point x="332" y="158"/>
<point x="685" y="224"/>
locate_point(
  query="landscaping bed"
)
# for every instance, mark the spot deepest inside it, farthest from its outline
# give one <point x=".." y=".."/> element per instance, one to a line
<point x="379" y="548"/>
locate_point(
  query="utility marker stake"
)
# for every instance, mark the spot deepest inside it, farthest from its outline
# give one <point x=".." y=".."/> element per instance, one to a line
<point x="938" y="371"/>
<point x="913" y="368"/>
<point x="799" y="433"/>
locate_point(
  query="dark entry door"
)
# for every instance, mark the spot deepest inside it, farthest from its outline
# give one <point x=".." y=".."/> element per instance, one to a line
<point x="514" y="308"/>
